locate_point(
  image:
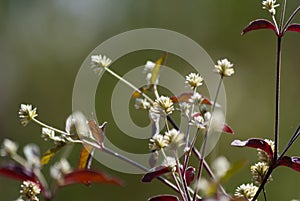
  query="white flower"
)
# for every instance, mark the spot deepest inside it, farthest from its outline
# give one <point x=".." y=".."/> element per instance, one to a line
<point x="197" y="121"/>
<point x="26" y="113"/>
<point x="169" y="162"/>
<point x="196" y="99"/>
<point x="59" y="169"/>
<point x="185" y="109"/>
<point x="8" y="148"/>
<point x="246" y="191"/>
<point x="142" y="104"/>
<point x="270" y="6"/>
<point x="174" y="139"/>
<point x="29" y="190"/>
<point x="163" y="105"/>
<point x="194" y="80"/>
<point x="98" y="62"/>
<point x="224" y="68"/>
<point x="157" y="142"/>
<point x="220" y="166"/>
<point x="32" y="154"/>
<point x="259" y="170"/>
<point x="50" y="134"/>
<point x="149" y="66"/>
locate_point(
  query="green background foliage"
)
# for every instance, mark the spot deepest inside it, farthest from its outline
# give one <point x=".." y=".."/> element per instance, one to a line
<point x="43" y="43"/>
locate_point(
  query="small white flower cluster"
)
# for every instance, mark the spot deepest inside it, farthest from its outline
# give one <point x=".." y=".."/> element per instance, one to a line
<point x="26" y="114"/>
<point x="224" y="68"/>
<point x="49" y="134"/>
<point x="246" y="191"/>
<point x="142" y="103"/>
<point x="170" y="162"/>
<point x="163" y="106"/>
<point x="148" y="70"/>
<point x="173" y="139"/>
<point x="194" y="80"/>
<point x="98" y="62"/>
<point x="258" y="171"/>
<point x="270" y="5"/>
<point x="29" y="191"/>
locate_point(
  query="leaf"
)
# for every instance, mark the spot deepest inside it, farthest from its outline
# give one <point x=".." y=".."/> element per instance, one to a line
<point x="185" y="96"/>
<point x="86" y="157"/>
<point x="89" y="176"/>
<point x="189" y="175"/>
<point x="18" y="172"/>
<point x="142" y="89"/>
<point x="155" y="172"/>
<point x="292" y="162"/>
<point x="164" y="198"/>
<point x="155" y="71"/>
<point x="98" y="132"/>
<point x="49" y="154"/>
<point x="259" y="24"/>
<point x="255" y="143"/>
<point x="227" y="129"/>
<point x="294" y="28"/>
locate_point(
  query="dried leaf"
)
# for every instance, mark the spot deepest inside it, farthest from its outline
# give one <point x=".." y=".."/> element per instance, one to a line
<point x="49" y="154"/>
<point x="164" y="198"/>
<point x="292" y="162"/>
<point x="255" y="143"/>
<point x="185" y="97"/>
<point x="86" y="157"/>
<point x="155" y="172"/>
<point x="89" y="176"/>
<point x="98" y="132"/>
<point x="294" y="28"/>
<point x="259" y="24"/>
<point x="189" y="175"/>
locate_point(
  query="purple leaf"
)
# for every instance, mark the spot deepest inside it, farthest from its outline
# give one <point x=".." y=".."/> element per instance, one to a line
<point x="292" y="162"/>
<point x="164" y="198"/>
<point x="189" y="175"/>
<point x="294" y="28"/>
<point x="255" y="143"/>
<point x="154" y="173"/>
<point x="18" y="172"/>
<point x="89" y="176"/>
<point x="227" y="129"/>
<point x="259" y="24"/>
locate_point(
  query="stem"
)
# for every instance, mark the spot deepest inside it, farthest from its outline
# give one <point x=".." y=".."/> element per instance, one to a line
<point x="188" y="154"/>
<point x="265" y="194"/>
<point x="129" y="84"/>
<point x="282" y="14"/>
<point x="275" y="23"/>
<point x="290" y="19"/>
<point x="50" y="127"/>
<point x="182" y="177"/>
<point x="261" y="187"/>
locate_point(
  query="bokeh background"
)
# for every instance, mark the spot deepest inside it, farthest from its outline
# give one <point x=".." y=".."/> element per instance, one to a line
<point x="43" y="43"/>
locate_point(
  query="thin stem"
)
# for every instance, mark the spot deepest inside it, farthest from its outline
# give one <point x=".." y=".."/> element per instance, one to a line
<point x="178" y="186"/>
<point x="188" y="154"/>
<point x="50" y="127"/>
<point x="129" y="84"/>
<point x="18" y="159"/>
<point x="261" y="187"/>
<point x="290" y="143"/>
<point x="282" y="14"/>
<point x="183" y="180"/>
<point x="265" y="194"/>
<point x="275" y="23"/>
<point x="290" y="19"/>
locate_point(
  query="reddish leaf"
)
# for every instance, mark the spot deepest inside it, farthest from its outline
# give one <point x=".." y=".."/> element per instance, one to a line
<point x="292" y="162"/>
<point x="185" y="96"/>
<point x="156" y="172"/>
<point x="227" y="129"/>
<point x="18" y="172"/>
<point x="189" y="175"/>
<point x="88" y="176"/>
<point x="259" y="24"/>
<point x="86" y="157"/>
<point x="164" y="198"/>
<point x="255" y="143"/>
<point x="294" y="28"/>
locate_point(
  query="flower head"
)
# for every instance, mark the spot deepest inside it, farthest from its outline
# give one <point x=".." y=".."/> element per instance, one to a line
<point x="224" y="68"/>
<point x="170" y="162"/>
<point x="194" y="80"/>
<point x="246" y="191"/>
<point x="263" y="156"/>
<point x="148" y="70"/>
<point x="8" y="148"/>
<point x="157" y="142"/>
<point x="198" y="121"/>
<point x="29" y="191"/>
<point x="185" y="109"/>
<point x="174" y="139"/>
<point x="163" y="105"/>
<point x="142" y="104"/>
<point x="196" y="99"/>
<point x="49" y="134"/>
<point x="98" y="62"/>
<point x="270" y="6"/>
<point x="26" y="113"/>
<point x="59" y="169"/>
<point x="259" y="170"/>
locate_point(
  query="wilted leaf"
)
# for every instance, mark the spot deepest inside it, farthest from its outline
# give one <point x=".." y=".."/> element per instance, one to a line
<point x="164" y="198"/>
<point x="86" y="157"/>
<point x="292" y="162"/>
<point x="155" y="71"/>
<point x="89" y="176"/>
<point x="255" y="143"/>
<point x="155" y="172"/>
<point x="50" y="153"/>
<point x="189" y="175"/>
<point x="18" y="172"/>
<point x="227" y="129"/>
<point x="259" y="24"/>
<point x="294" y="28"/>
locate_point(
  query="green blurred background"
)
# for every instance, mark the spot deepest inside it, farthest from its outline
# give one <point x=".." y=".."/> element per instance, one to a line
<point x="43" y="43"/>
